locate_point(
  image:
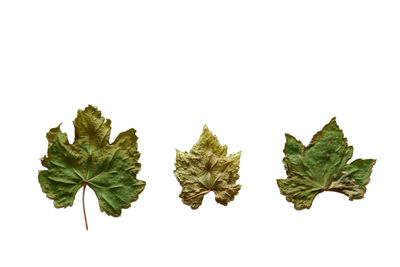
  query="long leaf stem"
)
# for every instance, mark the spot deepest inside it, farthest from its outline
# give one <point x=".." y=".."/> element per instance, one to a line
<point x="83" y="203"/>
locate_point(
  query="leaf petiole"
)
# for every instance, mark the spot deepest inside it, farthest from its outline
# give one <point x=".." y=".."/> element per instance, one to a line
<point x="83" y="203"/>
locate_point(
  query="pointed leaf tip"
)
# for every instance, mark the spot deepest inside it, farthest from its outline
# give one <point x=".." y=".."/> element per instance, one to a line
<point x="205" y="128"/>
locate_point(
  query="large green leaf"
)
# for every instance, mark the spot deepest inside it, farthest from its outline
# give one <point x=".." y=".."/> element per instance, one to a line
<point x="207" y="168"/>
<point x="322" y="166"/>
<point x="109" y="169"/>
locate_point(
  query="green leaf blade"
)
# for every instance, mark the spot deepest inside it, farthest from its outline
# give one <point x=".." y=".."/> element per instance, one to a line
<point x="60" y="181"/>
<point x="109" y="169"/>
<point x="91" y="129"/>
<point x="322" y="166"/>
<point x="300" y="191"/>
<point x="361" y="170"/>
<point x="323" y="156"/>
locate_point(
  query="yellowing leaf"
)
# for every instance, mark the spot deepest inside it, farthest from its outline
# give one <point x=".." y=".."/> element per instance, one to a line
<point x="207" y="168"/>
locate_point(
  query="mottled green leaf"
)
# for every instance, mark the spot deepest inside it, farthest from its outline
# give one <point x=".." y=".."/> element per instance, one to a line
<point x="207" y="168"/>
<point x="322" y="166"/>
<point x="109" y="169"/>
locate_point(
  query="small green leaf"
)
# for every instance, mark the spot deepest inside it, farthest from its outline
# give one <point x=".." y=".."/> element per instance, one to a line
<point x="207" y="168"/>
<point x="109" y="169"/>
<point x="322" y="166"/>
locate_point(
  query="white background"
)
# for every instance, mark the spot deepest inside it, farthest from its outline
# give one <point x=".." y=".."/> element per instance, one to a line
<point x="251" y="71"/>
